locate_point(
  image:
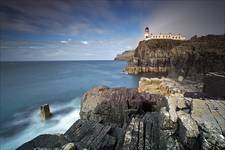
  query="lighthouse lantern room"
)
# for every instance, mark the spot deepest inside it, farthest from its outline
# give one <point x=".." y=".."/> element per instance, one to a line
<point x="146" y="33"/>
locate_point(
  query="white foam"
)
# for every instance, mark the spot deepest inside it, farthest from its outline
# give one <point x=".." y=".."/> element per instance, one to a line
<point x="57" y="124"/>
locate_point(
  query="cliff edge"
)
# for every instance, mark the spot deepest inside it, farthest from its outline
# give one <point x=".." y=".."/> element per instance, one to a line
<point x="193" y="57"/>
<point x="125" y="56"/>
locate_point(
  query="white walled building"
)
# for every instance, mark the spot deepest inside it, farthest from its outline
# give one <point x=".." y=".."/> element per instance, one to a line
<point x="149" y="36"/>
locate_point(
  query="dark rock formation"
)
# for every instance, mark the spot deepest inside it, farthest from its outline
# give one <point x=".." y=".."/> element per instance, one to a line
<point x="91" y="135"/>
<point x="82" y="134"/>
<point x="47" y="141"/>
<point x="105" y="114"/>
<point x="45" y="112"/>
<point x="189" y="58"/>
<point x="125" y="56"/>
<point x="143" y="132"/>
<point x="114" y="105"/>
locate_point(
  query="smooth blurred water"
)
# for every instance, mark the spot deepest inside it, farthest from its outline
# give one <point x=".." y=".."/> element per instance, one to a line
<point x="27" y="85"/>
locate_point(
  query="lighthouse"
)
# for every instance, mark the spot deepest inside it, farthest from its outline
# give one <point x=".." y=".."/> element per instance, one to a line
<point x="146" y="35"/>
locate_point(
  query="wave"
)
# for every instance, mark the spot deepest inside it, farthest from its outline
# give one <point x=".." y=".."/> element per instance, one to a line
<point x="64" y="115"/>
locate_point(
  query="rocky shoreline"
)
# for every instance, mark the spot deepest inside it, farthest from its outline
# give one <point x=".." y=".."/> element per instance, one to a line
<point x="159" y="114"/>
<point x="181" y="113"/>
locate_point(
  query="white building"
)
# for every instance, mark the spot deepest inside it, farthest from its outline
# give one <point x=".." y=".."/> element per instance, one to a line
<point x="149" y="36"/>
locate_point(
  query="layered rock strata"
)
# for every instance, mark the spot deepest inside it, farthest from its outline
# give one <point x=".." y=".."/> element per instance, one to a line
<point x="189" y="118"/>
<point x="190" y="58"/>
<point x="160" y="114"/>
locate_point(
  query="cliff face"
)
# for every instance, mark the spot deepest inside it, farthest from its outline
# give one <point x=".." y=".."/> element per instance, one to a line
<point x="186" y="58"/>
<point x="125" y="56"/>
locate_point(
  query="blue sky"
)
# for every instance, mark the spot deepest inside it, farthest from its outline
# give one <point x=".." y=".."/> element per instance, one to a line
<point x="97" y="29"/>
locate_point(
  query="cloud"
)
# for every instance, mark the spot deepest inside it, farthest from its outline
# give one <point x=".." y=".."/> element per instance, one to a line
<point x="71" y="17"/>
<point x="84" y="42"/>
<point x="66" y="41"/>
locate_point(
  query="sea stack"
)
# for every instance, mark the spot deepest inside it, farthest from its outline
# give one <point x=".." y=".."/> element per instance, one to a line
<point x="45" y="112"/>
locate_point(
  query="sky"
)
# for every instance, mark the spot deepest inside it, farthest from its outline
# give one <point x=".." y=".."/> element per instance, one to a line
<point x="33" y="30"/>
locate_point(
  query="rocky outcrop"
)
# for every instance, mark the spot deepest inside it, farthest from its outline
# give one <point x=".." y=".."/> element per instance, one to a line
<point x="45" y="112"/>
<point x="115" y="105"/>
<point x="142" y="132"/>
<point x="187" y="121"/>
<point x="160" y="114"/>
<point x="125" y="56"/>
<point x="190" y="58"/>
<point x="151" y="56"/>
<point x="91" y="135"/>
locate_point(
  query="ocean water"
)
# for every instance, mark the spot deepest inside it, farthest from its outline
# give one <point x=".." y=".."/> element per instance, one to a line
<point x="27" y="85"/>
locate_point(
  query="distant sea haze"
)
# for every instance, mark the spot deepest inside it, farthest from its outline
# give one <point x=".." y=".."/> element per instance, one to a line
<point x="27" y="85"/>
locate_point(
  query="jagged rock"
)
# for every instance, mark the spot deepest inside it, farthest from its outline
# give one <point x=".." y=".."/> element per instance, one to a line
<point x="168" y="141"/>
<point x="45" y="141"/>
<point x="123" y="118"/>
<point x="142" y="132"/>
<point x="131" y="134"/>
<point x="90" y="135"/>
<point x="45" y="112"/>
<point x="188" y="129"/>
<point x="210" y="138"/>
<point x="165" y="121"/>
<point x="114" y="105"/>
<point x="151" y="128"/>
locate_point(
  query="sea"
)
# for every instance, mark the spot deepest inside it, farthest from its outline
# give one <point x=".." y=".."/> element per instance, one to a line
<point x="25" y="86"/>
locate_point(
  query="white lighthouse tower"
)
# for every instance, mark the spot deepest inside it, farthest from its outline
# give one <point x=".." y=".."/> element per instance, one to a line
<point x="146" y="34"/>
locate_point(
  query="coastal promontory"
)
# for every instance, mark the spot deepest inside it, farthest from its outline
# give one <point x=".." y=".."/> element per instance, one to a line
<point x="193" y="57"/>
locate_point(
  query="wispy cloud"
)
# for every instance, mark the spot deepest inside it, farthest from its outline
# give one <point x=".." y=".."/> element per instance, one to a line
<point x="84" y="42"/>
<point x="65" y="41"/>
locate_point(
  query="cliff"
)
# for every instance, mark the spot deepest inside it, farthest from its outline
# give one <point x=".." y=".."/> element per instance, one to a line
<point x="187" y="58"/>
<point x="125" y="56"/>
<point x="159" y="114"/>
